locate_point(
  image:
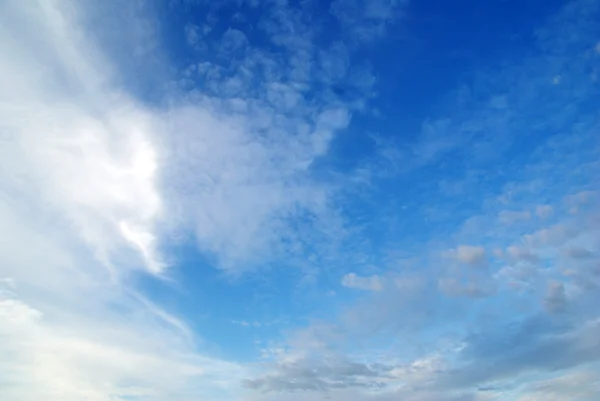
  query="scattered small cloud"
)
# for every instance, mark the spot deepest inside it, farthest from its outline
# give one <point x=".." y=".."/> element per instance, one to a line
<point x="471" y="255"/>
<point x="511" y="216"/>
<point x="369" y="283"/>
<point x="544" y="211"/>
<point x="521" y="254"/>
<point x="454" y="287"/>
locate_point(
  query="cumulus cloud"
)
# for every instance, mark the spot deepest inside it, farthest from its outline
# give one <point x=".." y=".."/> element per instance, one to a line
<point x="470" y="255"/>
<point x="520" y="253"/>
<point x="370" y="283"/>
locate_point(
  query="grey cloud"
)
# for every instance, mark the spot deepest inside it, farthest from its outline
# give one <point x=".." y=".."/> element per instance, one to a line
<point x="318" y="374"/>
<point x="521" y="254"/>
<point x="471" y="255"/>
<point x="454" y="287"/>
<point x="354" y="395"/>
<point x="575" y="252"/>
<point x="555" y="300"/>
<point x="537" y="344"/>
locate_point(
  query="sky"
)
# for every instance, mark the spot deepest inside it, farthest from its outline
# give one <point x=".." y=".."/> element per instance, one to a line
<point x="282" y="200"/>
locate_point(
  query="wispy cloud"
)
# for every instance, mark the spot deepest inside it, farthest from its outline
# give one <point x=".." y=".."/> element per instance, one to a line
<point x="80" y="210"/>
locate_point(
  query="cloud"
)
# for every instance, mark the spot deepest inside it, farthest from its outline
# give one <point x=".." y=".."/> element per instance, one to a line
<point x="366" y="21"/>
<point x="242" y="194"/>
<point x="74" y="356"/>
<point x="511" y="216"/>
<point x="518" y="254"/>
<point x="580" y="385"/>
<point x="483" y="126"/>
<point x="322" y="374"/>
<point x="250" y="193"/>
<point x="555" y="300"/>
<point x="454" y="287"/>
<point x="80" y="213"/>
<point x="371" y="283"/>
<point x="533" y="345"/>
<point x="97" y="185"/>
<point x="485" y="336"/>
<point x="99" y="173"/>
<point x="579" y="253"/>
<point x="193" y="36"/>
<point x="470" y="255"/>
<point x="544" y="211"/>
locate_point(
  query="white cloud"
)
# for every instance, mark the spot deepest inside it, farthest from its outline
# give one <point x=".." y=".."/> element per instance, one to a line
<point x="470" y="255"/>
<point x="512" y="216"/>
<point x="454" y="287"/>
<point x="70" y="144"/>
<point x="79" y="213"/>
<point x="520" y="253"/>
<point x="370" y="283"/>
<point x="94" y="182"/>
<point x="544" y="211"/>
<point x="581" y="384"/>
<point x="554" y="235"/>
<point x="238" y="192"/>
<point x="71" y="356"/>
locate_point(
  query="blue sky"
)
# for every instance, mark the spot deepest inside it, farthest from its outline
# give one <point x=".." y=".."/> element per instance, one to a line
<point x="287" y="200"/>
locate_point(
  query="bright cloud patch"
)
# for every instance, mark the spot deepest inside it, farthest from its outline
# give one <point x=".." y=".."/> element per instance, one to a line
<point x="372" y="283"/>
